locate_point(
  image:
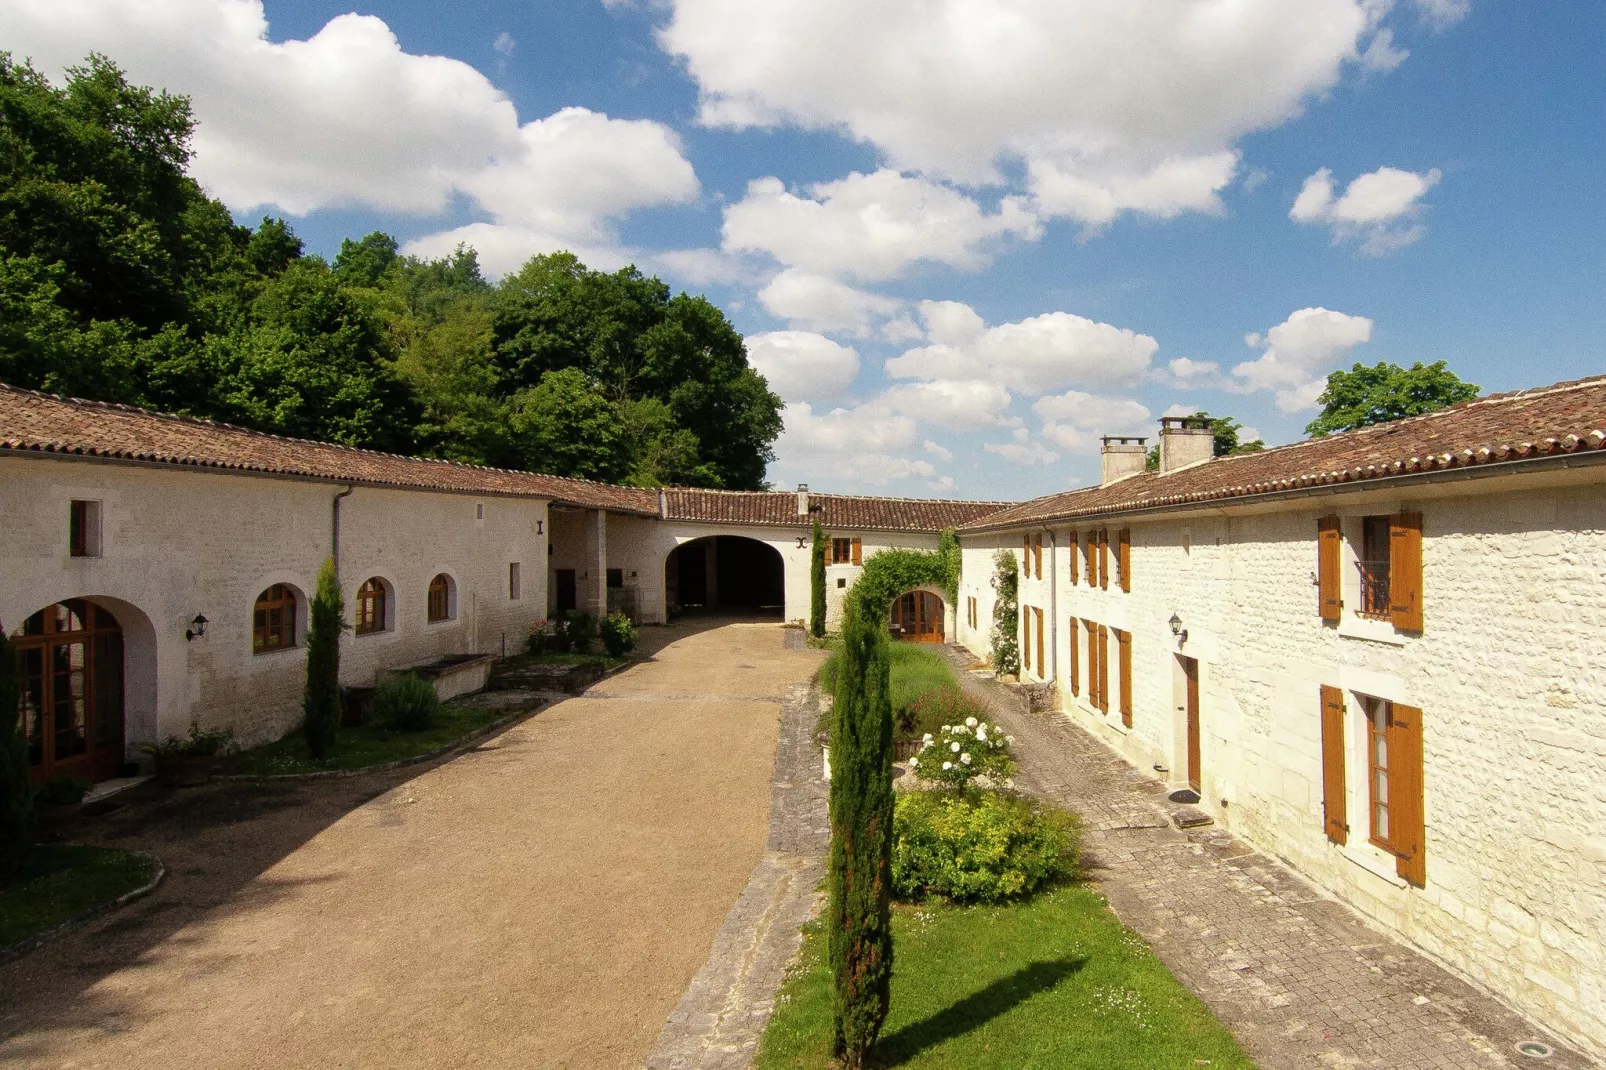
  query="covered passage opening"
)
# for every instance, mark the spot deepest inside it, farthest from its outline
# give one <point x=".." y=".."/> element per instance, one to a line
<point x="726" y="573"/>
<point x="916" y="616"/>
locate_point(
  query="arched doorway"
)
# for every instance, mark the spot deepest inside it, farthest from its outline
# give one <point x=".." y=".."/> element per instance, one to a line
<point x="917" y="617"/>
<point x="726" y="573"/>
<point x="71" y="656"/>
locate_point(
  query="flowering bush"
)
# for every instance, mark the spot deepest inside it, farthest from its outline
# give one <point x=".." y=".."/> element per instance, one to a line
<point x="959" y="753"/>
<point x="978" y="847"/>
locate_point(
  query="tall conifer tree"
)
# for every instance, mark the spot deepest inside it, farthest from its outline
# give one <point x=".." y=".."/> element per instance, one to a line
<point x="16" y="793"/>
<point x="322" y="701"/>
<point x="817" y="584"/>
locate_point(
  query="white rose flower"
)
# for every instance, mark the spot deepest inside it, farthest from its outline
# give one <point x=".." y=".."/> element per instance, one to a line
<point x="954" y="747"/>
<point x="965" y="758"/>
<point x="970" y="722"/>
<point x="981" y="734"/>
<point x="926" y="737"/>
<point x="914" y="763"/>
<point x="946" y="727"/>
<point x="1011" y="740"/>
<point x="947" y="765"/>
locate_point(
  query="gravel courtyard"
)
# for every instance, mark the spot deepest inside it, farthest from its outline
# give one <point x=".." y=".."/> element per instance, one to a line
<point x="539" y="901"/>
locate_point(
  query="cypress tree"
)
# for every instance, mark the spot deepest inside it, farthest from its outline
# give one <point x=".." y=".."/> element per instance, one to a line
<point x="860" y="914"/>
<point x="817" y="584"/>
<point x="321" y="703"/>
<point x="16" y="793"/>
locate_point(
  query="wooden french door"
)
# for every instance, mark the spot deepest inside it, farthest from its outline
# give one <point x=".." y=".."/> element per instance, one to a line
<point x="71" y="657"/>
<point x="917" y="617"/>
<point x="1190" y="670"/>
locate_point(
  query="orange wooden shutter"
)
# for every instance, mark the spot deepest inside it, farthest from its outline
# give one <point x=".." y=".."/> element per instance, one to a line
<point x="1026" y="557"/>
<point x="1407" y="824"/>
<point x="1104" y="668"/>
<point x="1026" y="636"/>
<point x="1329" y="587"/>
<point x="1041" y="664"/>
<point x="1123" y="643"/>
<point x="1104" y="558"/>
<point x="1076" y="563"/>
<point x="1405" y="571"/>
<point x="1123" y="558"/>
<point x="858" y="552"/>
<point x="1076" y="654"/>
<point x="1037" y="556"/>
<point x="1334" y="802"/>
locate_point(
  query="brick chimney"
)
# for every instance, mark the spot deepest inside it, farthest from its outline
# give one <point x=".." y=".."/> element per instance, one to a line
<point x="1185" y="440"/>
<point x="1122" y="456"/>
<point x="803" y="501"/>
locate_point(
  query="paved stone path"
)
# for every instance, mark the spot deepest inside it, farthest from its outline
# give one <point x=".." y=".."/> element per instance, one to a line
<point x="1300" y="980"/>
<point x="542" y="900"/>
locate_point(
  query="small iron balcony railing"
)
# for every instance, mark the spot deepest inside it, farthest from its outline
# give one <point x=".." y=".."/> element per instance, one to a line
<point x="1374" y="588"/>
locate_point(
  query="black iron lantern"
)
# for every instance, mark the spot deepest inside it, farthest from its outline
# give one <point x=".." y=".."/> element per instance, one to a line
<point x="197" y="627"/>
<point x="1177" y="629"/>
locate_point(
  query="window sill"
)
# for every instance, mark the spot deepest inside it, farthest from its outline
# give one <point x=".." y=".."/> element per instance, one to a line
<point x="263" y="656"/>
<point x="1374" y="861"/>
<point x="1378" y="631"/>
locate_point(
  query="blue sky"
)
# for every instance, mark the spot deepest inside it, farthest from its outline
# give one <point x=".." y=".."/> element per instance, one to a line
<point x="963" y="240"/>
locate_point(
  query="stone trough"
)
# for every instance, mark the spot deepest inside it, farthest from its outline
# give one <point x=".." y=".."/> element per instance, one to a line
<point x="454" y="674"/>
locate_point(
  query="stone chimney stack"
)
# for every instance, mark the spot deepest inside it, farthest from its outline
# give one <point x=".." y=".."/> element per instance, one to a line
<point x="1185" y="440"/>
<point x="803" y="501"/>
<point x="1123" y="455"/>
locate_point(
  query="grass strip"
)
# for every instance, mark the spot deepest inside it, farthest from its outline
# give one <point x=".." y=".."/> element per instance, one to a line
<point x="61" y="881"/>
<point x="914" y="671"/>
<point x="1053" y="982"/>
<point x="371" y="744"/>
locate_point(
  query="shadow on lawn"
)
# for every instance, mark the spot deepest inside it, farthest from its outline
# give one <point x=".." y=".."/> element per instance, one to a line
<point x="975" y="1010"/>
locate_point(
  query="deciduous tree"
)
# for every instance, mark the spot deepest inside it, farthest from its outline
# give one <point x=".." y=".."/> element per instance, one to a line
<point x="1382" y="392"/>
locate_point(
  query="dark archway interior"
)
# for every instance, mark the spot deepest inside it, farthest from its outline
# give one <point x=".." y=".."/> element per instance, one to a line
<point x="726" y="572"/>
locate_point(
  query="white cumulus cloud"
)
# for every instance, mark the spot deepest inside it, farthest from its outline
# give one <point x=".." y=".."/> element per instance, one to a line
<point x="1112" y="105"/>
<point x="866" y="444"/>
<point x="1046" y="352"/>
<point x="1023" y="450"/>
<point x="1075" y="420"/>
<point x="1380" y="209"/>
<point x="870" y="226"/>
<point x="348" y="118"/>
<point x="820" y="303"/>
<point x="802" y="365"/>
<point x="1299" y="352"/>
<point x="956" y="403"/>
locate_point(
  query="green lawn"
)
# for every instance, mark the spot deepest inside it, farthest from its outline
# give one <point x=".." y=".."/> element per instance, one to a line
<point x="567" y="658"/>
<point x="365" y="746"/>
<point x="913" y="669"/>
<point x="61" y="881"/>
<point x="1055" y="983"/>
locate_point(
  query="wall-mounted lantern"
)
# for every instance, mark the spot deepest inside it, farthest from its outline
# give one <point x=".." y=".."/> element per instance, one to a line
<point x="197" y="627"/>
<point x="1177" y="629"/>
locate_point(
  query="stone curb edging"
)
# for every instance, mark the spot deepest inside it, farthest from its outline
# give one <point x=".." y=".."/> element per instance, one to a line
<point x="28" y="944"/>
<point x="459" y="744"/>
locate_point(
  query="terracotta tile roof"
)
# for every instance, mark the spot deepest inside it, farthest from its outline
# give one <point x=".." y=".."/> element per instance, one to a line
<point x="1499" y="429"/>
<point x="841" y="512"/>
<point x="32" y="422"/>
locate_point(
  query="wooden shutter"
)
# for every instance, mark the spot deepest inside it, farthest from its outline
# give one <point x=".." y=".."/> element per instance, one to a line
<point x="1329" y="541"/>
<point x="1026" y="636"/>
<point x="1076" y="655"/>
<point x="1123" y="558"/>
<point x="1037" y="556"/>
<point x="1405" y="571"/>
<point x="1334" y="801"/>
<point x="858" y="552"/>
<point x="1076" y="560"/>
<point x="1104" y="668"/>
<point x="1041" y="664"/>
<point x="1104" y="558"/>
<point x="1026" y="557"/>
<point x="1123" y="643"/>
<point x="1407" y="825"/>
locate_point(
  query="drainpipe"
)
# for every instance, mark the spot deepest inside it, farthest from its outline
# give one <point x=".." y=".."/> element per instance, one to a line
<point x="1053" y="610"/>
<point x="334" y="525"/>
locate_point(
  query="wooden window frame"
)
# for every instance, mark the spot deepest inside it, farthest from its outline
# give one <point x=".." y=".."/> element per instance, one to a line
<point x="83" y="528"/>
<point x="1400" y="736"/>
<point x="1373" y="564"/>
<point x="438" y="609"/>
<point x="274" y="619"/>
<point x="371" y="609"/>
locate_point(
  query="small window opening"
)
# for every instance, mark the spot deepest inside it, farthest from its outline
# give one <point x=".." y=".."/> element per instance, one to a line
<point x="841" y="582"/>
<point x="616" y="577"/>
<point x="513" y="591"/>
<point x="1379" y="713"/>
<point x="479" y="512"/>
<point x="1374" y="567"/>
<point x="83" y="527"/>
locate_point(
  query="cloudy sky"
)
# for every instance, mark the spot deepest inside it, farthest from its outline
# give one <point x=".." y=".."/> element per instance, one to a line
<point x="963" y="238"/>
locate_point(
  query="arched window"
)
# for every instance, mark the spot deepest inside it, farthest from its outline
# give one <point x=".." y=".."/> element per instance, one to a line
<point x="371" y="607"/>
<point x="273" y="621"/>
<point x="440" y="598"/>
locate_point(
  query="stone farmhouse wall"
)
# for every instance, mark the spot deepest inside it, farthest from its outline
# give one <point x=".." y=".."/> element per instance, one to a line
<point x="1508" y="672"/>
<point x="177" y="542"/>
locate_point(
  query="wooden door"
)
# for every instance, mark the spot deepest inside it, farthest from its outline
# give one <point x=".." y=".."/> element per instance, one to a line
<point x="71" y="656"/>
<point x="917" y="617"/>
<point x="1190" y="670"/>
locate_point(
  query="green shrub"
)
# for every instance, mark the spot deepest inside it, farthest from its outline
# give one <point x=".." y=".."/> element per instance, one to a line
<point x="580" y="629"/>
<point x="200" y="743"/>
<point x="1006" y="613"/>
<point x="947" y="704"/>
<point x="406" y="702"/>
<point x="979" y="847"/>
<point x="618" y="634"/>
<point x="63" y="789"/>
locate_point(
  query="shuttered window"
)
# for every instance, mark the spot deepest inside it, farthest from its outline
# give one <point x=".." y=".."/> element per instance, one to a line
<point x="1037" y="556"/>
<point x="1104" y="668"/>
<point x="1025" y="557"/>
<point x="1026" y="636"/>
<point x="1123" y="646"/>
<point x="1394" y="774"/>
<point x="1329" y="582"/>
<point x="841" y="551"/>
<point x="1076" y="560"/>
<point x="1090" y="558"/>
<point x="1091" y="632"/>
<point x="1042" y="665"/>
<point x="1335" y="807"/>
<point x="1104" y="558"/>
<point x="858" y="552"/>
<point x="1405" y="571"/>
<point x="1074" y="633"/>
<point x="1123" y="559"/>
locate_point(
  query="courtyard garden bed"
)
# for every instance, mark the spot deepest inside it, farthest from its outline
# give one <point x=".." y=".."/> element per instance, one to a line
<point x="61" y="882"/>
<point x="1053" y="981"/>
<point x="361" y="747"/>
<point x="925" y="692"/>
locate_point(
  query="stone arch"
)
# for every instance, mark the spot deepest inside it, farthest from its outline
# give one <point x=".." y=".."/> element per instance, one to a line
<point x="726" y="573"/>
<point x="391" y="620"/>
<point x="919" y="614"/>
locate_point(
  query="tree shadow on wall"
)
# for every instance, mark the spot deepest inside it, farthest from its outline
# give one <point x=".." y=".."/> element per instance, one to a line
<point x="975" y="1010"/>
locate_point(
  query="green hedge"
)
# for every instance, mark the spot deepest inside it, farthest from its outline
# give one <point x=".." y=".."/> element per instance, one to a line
<point x="979" y="847"/>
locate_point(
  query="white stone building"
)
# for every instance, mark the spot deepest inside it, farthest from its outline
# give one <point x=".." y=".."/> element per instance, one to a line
<point x="1374" y="655"/>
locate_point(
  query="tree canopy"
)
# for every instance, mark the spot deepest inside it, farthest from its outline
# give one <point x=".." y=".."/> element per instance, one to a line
<point x="1374" y="395"/>
<point x="121" y="280"/>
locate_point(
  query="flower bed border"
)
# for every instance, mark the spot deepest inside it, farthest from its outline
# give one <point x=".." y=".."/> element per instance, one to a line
<point x="29" y="944"/>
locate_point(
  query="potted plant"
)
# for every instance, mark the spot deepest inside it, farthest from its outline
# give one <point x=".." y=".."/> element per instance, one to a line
<point x="539" y="637"/>
<point x="58" y="806"/>
<point x="189" y="761"/>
